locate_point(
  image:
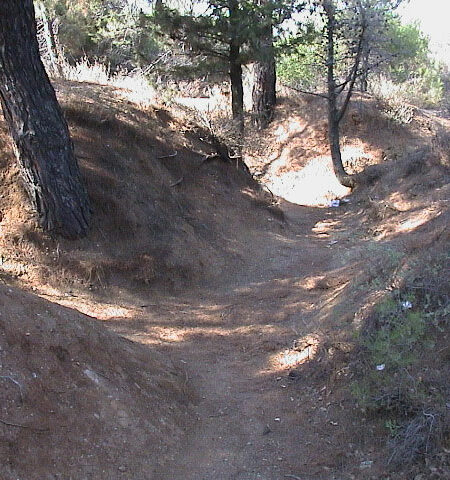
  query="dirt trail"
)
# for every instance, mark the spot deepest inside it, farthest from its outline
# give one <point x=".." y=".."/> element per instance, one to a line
<point x="265" y="346"/>
<point x="252" y="420"/>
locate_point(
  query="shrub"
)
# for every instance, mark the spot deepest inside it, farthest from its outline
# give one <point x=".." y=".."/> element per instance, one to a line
<point x="398" y="100"/>
<point x="409" y="76"/>
<point x="301" y="68"/>
<point x="390" y="347"/>
<point x="399" y="377"/>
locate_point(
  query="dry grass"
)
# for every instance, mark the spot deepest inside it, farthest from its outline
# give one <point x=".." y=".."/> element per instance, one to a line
<point x="399" y="97"/>
<point x="418" y="438"/>
<point x="134" y="85"/>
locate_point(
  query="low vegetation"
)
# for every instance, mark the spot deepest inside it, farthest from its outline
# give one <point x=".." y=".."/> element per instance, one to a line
<point x="398" y="373"/>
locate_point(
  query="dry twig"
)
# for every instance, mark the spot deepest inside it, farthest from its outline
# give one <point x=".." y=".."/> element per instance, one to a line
<point x="8" y="377"/>
<point x="174" y="184"/>
<point x="171" y="155"/>
<point x="18" y="425"/>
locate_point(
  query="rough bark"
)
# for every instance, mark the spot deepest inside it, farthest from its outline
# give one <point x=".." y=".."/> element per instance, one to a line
<point x="264" y="95"/>
<point x="43" y="146"/>
<point x="237" y="88"/>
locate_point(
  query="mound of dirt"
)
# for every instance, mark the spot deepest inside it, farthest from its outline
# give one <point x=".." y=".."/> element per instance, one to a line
<point x="74" y="396"/>
<point x="293" y="157"/>
<point x="162" y="210"/>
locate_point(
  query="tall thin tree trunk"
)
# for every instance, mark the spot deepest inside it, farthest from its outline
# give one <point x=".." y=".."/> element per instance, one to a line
<point x="49" y="52"/>
<point x="237" y="88"/>
<point x="364" y="78"/>
<point x="264" y="95"/>
<point x="334" y="116"/>
<point x="43" y="146"/>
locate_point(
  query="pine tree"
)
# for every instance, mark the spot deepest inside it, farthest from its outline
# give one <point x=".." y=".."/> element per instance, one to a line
<point x="350" y="31"/>
<point x="264" y="95"/>
<point x="234" y="32"/>
<point x="43" y="146"/>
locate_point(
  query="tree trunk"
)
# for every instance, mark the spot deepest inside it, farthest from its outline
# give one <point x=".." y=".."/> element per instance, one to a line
<point x="334" y="116"/>
<point x="237" y="88"/>
<point x="364" y="77"/>
<point x="334" y="136"/>
<point x="264" y="93"/>
<point x="335" y="149"/>
<point x="47" y="41"/>
<point x="264" y="83"/>
<point x="43" y="146"/>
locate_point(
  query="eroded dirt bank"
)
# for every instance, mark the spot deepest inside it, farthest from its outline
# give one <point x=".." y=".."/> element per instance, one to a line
<point x="241" y="309"/>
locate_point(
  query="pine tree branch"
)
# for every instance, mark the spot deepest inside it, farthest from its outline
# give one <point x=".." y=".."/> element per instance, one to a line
<point x="306" y="92"/>
<point x="354" y="73"/>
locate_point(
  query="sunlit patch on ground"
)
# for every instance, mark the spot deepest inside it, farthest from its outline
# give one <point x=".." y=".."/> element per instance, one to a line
<point x="413" y="221"/>
<point x="325" y="226"/>
<point x="355" y="158"/>
<point x="417" y="220"/>
<point x="314" y="185"/>
<point x="208" y="105"/>
<point x="292" y="126"/>
<point x="136" y="89"/>
<point x="304" y="350"/>
<point x="95" y="309"/>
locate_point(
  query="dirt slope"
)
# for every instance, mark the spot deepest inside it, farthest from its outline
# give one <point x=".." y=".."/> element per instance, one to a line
<point x="242" y="314"/>
<point x="78" y="401"/>
<point x="162" y="215"/>
<point x="292" y="157"/>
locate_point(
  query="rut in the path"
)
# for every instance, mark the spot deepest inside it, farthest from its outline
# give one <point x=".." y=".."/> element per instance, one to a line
<point x="251" y="421"/>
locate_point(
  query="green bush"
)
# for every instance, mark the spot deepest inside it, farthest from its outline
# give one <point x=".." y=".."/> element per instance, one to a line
<point x="390" y="347"/>
<point x="398" y="376"/>
<point x="116" y="33"/>
<point x="300" y="67"/>
<point x="408" y="48"/>
<point x="413" y="76"/>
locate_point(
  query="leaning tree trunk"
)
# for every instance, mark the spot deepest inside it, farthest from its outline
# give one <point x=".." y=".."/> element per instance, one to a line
<point x="335" y="148"/>
<point x="264" y="82"/>
<point x="333" y="132"/>
<point x="334" y="116"/>
<point x="41" y="136"/>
